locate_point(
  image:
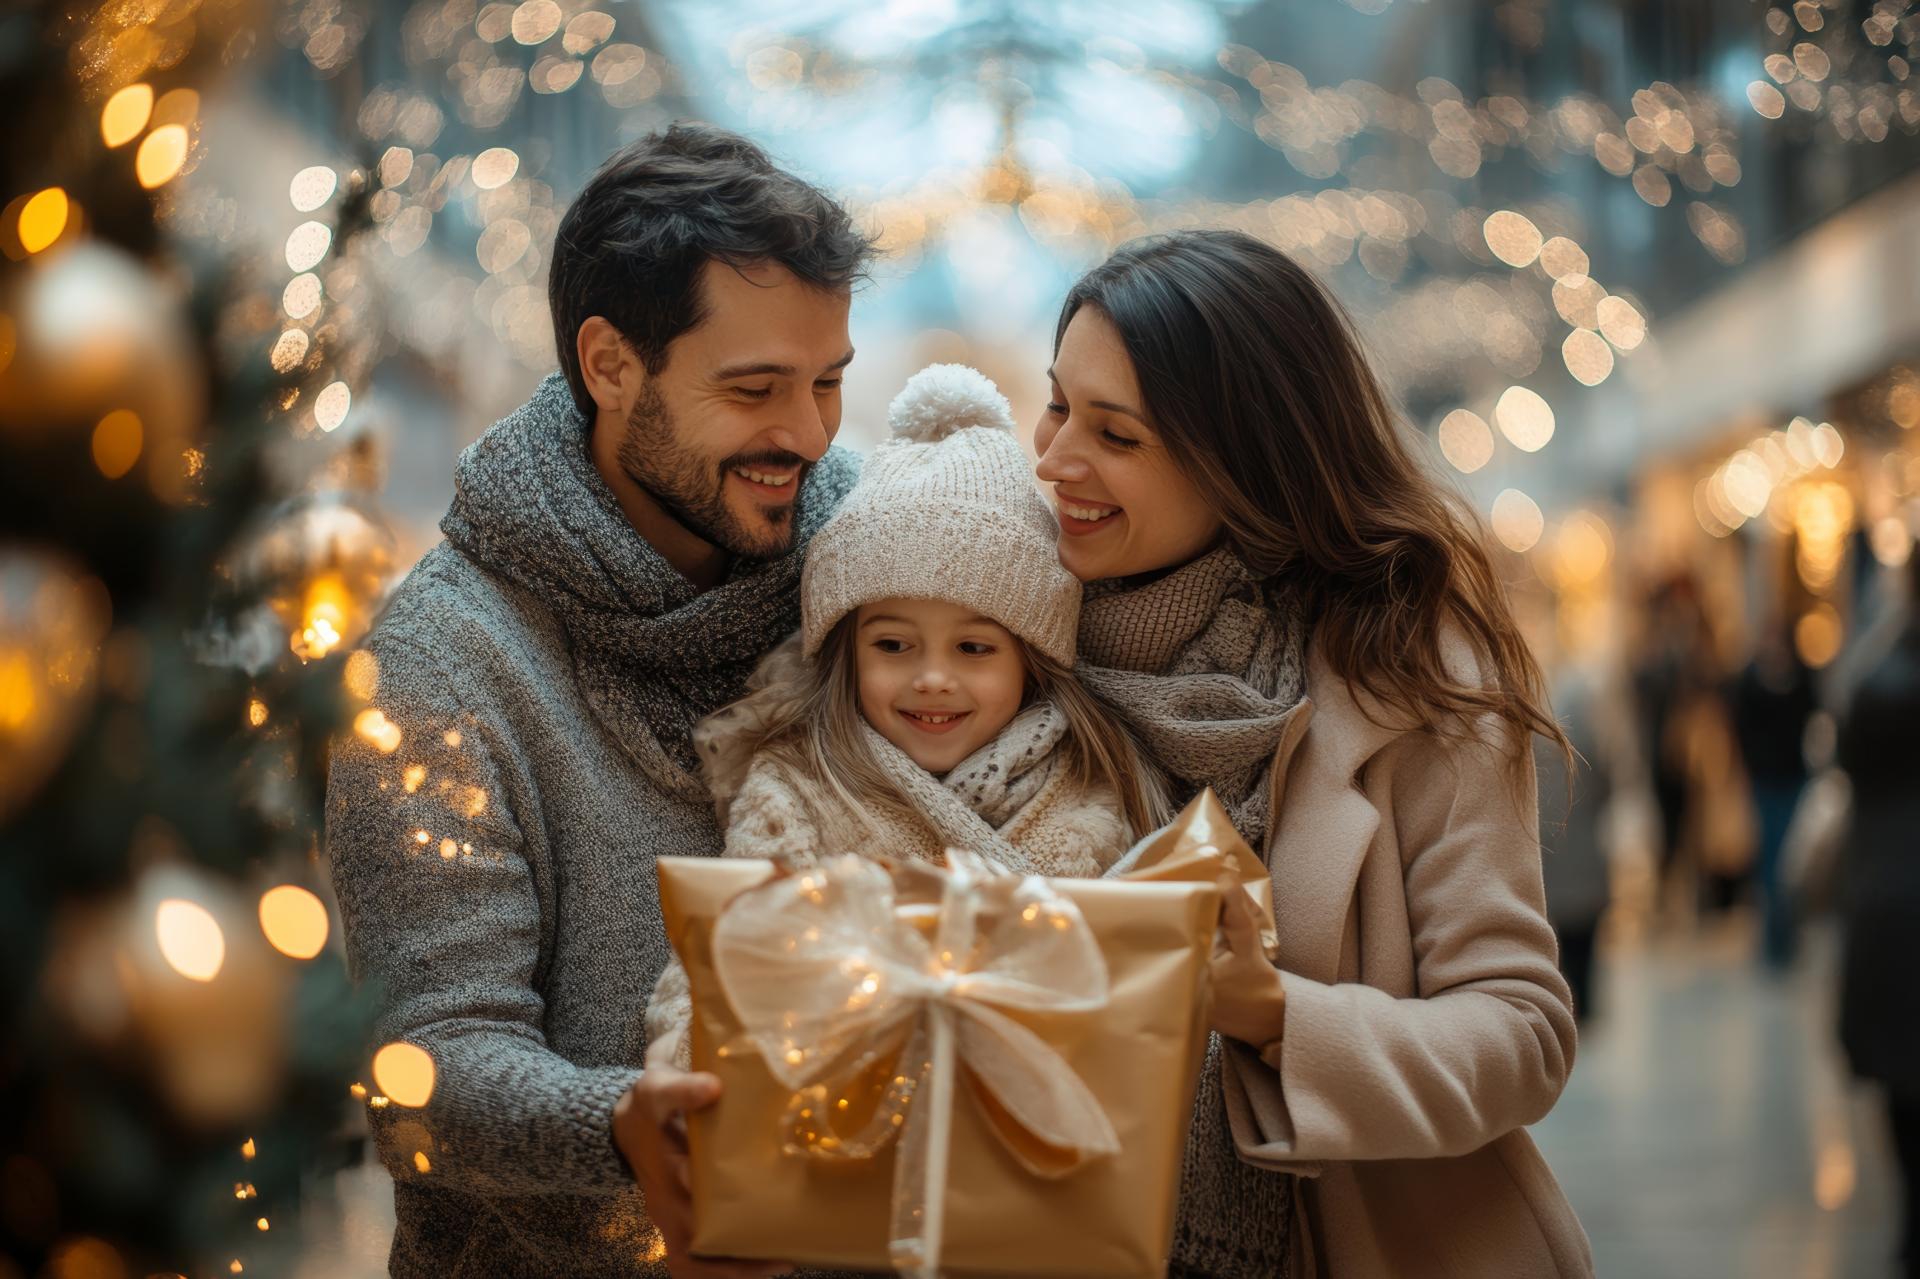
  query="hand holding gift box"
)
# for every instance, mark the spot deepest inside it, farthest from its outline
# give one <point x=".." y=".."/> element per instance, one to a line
<point x="960" y="1071"/>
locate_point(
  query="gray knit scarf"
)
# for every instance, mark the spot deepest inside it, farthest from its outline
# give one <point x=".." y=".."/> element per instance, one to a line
<point x="1203" y="664"/>
<point x="652" y="652"/>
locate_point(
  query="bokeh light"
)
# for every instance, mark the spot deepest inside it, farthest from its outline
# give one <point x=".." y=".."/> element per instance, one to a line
<point x="190" y="940"/>
<point x="404" y="1072"/>
<point x="126" y="114"/>
<point x="161" y="155"/>
<point x="294" y="921"/>
<point x="1525" y="418"/>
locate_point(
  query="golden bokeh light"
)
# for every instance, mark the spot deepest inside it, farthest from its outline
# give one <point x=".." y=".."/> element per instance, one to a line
<point x="1891" y="542"/>
<point x="361" y="674"/>
<point x="495" y="167"/>
<point x="587" y="30"/>
<point x="289" y="349"/>
<point x="1513" y="237"/>
<point x="1746" y="482"/>
<point x="176" y="106"/>
<point x="1562" y="257"/>
<point x="1577" y="298"/>
<point x="396" y="166"/>
<point x="42" y="219"/>
<point x="331" y="405"/>
<point x="535" y="21"/>
<point x="323" y="617"/>
<point x="1582" y="549"/>
<point x="1524" y="418"/>
<point x="161" y="155"/>
<point x="373" y="727"/>
<point x="301" y="296"/>
<point x="1517" y="521"/>
<point x="190" y="939"/>
<point x="1817" y="635"/>
<point x="1465" y="441"/>
<point x="307" y="244"/>
<point x="294" y="920"/>
<point x="312" y="187"/>
<point x="126" y="114"/>
<point x="1620" y="323"/>
<point x="116" y="443"/>
<point x="1587" y="356"/>
<point x="256" y="712"/>
<point x="404" y="1072"/>
<point x="1766" y="99"/>
<point x="421" y="1163"/>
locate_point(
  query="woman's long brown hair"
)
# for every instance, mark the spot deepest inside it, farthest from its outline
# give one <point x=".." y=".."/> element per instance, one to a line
<point x="1256" y="382"/>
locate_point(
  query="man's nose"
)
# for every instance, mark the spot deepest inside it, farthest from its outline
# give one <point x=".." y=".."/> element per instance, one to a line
<point x="803" y="430"/>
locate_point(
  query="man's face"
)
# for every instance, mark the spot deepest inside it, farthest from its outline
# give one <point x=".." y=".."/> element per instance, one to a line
<point x="749" y="400"/>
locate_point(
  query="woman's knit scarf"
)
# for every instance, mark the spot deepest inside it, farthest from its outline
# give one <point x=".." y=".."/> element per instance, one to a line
<point x="1204" y="665"/>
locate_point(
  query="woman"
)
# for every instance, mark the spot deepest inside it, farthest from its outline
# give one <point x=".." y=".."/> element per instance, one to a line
<point x="1285" y="607"/>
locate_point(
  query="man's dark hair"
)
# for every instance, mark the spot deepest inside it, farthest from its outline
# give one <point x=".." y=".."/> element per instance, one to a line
<point x="632" y="245"/>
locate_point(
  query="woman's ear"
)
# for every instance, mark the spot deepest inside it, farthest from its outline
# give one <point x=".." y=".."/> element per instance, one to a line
<point x="610" y="367"/>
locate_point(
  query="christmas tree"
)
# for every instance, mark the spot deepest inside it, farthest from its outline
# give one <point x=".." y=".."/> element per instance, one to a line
<point x="183" y="567"/>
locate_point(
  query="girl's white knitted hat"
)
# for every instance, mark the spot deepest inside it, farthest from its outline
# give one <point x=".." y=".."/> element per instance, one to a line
<point x="946" y="509"/>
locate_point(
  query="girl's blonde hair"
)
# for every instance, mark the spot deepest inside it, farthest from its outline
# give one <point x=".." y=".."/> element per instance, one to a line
<point x="818" y="734"/>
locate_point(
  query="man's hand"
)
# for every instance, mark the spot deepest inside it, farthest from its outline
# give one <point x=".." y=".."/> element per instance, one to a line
<point x="1249" y="999"/>
<point x="650" y="1131"/>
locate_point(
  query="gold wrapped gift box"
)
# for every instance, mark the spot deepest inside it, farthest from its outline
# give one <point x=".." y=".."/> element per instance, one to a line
<point x="759" y="1193"/>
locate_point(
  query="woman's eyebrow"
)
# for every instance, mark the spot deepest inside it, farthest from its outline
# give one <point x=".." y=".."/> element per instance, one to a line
<point x="1108" y="405"/>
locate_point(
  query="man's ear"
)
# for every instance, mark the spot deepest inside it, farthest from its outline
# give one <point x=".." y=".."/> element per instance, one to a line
<point x="609" y="366"/>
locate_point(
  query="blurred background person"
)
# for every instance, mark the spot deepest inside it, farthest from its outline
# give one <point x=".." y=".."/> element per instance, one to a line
<point x="1879" y="748"/>
<point x="1576" y="825"/>
<point x="1773" y="703"/>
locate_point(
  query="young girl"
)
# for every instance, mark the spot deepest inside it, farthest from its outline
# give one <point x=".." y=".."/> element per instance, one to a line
<point x="929" y="700"/>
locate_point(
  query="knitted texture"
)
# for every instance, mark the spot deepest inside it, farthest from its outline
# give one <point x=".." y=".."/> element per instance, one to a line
<point x="496" y="871"/>
<point x="1204" y="664"/>
<point x="946" y="509"/>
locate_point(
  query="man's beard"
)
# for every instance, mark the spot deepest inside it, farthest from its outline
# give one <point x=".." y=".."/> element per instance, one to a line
<point x="692" y="488"/>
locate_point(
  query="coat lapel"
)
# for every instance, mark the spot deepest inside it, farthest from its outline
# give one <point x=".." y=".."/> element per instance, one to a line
<point x="1323" y="823"/>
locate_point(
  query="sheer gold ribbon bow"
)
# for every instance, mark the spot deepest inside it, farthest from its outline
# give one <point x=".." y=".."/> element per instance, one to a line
<point x="857" y="1011"/>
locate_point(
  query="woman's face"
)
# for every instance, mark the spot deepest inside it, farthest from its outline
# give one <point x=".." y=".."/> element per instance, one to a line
<point x="1123" y="506"/>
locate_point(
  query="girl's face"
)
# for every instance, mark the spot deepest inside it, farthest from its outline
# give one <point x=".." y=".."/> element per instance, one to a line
<point x="1123" y="506"/>
<point x="937" y="680"/>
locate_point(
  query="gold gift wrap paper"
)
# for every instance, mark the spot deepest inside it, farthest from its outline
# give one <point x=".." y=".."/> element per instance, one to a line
<point x="1201" y="844"/>
<point x="1139" y="1057"/>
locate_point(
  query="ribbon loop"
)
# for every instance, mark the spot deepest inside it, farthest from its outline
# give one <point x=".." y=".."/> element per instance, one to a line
<point x="857" y="1012"/>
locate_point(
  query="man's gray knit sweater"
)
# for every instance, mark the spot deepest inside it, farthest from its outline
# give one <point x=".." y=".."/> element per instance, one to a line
<point x="495" y="869"/>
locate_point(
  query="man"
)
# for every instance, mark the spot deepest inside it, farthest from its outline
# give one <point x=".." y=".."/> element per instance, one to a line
<point x="619" y="554"/>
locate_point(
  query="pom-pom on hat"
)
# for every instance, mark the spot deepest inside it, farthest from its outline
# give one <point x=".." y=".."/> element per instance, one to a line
<point x="946" y="509"/>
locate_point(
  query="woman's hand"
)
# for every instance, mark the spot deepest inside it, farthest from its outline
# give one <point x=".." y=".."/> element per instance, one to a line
<point x="1249" y="1001"/>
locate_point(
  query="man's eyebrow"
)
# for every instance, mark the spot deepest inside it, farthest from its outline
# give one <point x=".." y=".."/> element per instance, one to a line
<point x="1108" y="405"/>
<point x="779" y="370"/>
